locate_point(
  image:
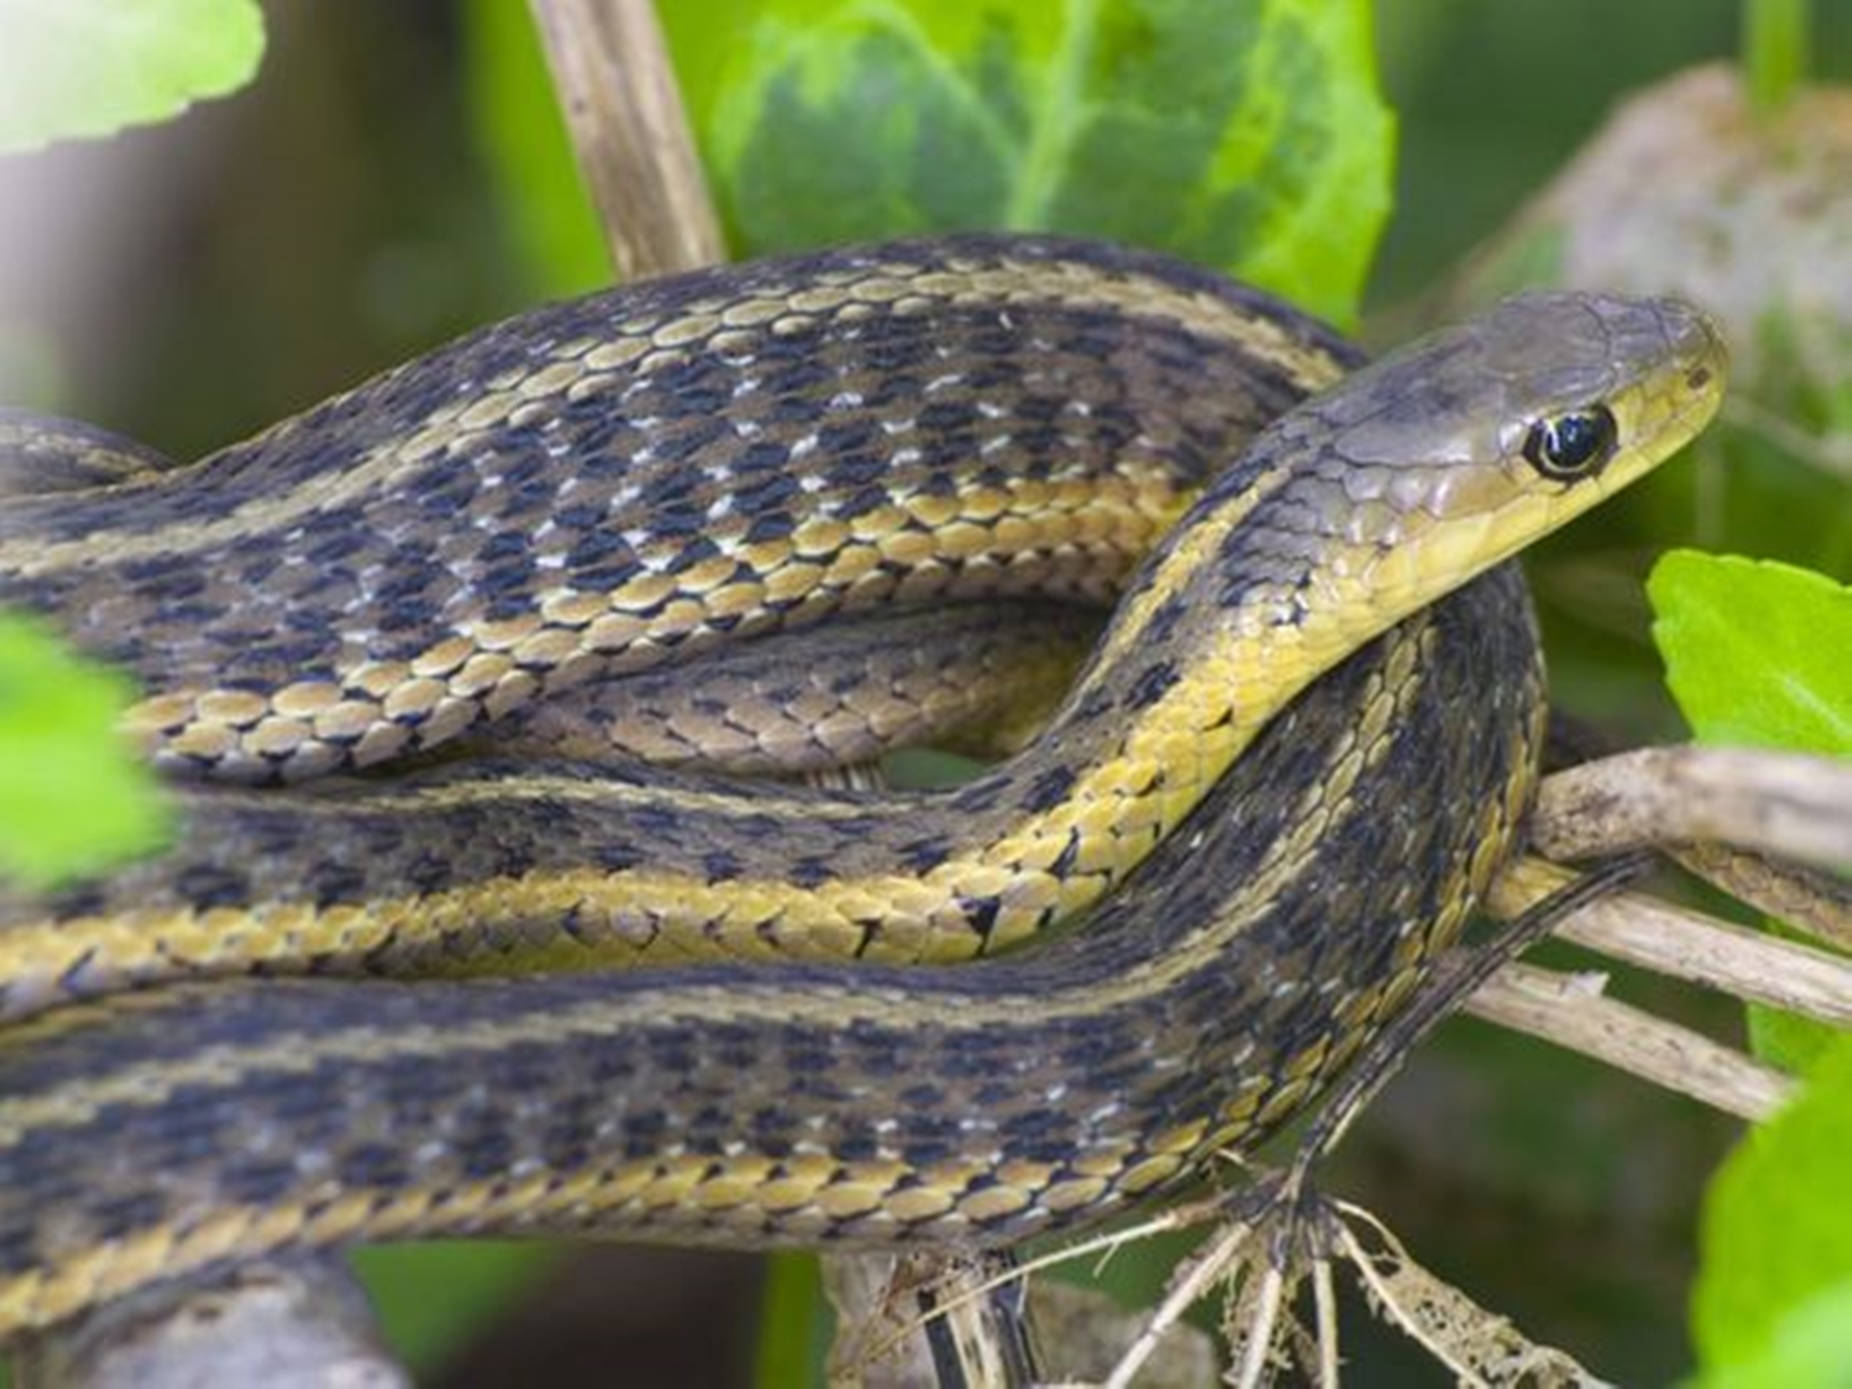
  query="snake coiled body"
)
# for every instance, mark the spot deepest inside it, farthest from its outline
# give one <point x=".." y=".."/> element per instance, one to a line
<point x="610" y="485"/>
<point x="615" y="481"/>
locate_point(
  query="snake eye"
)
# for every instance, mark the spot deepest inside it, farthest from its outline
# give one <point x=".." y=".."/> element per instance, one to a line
<point x="1572" y="445"/>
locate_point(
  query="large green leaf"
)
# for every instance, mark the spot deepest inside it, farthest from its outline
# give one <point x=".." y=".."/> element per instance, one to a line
<point x="1777" y="1228"/>
<point x="72" y="68"/>
<point x="1810" y="1345"/>
<point x="73" y="797"/>
<point x="1245" y="134"/>
<point x="1756" y="651"/>
<point x="1755" y="654"/>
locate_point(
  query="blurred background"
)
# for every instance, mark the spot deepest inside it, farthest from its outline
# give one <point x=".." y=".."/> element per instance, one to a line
<point x="190" y="283"/>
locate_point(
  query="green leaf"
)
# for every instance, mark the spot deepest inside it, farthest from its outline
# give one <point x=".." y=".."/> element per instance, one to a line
<point x="72" y="68"/>
<point x="1785" y="1039"/>
<point x="431" y="1297"/>
<point x="1244" y="134"/>
<point x="1811" y="1345"/>
<point x="1755" y="654"/>
<point x="1755" y="651"/>
<point x="519" y="127"/>
<point x="73" y="796"/>
<point x="1777" y="1229"/>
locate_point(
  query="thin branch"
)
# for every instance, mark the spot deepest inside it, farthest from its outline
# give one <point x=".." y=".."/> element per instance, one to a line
<point x="875" y="1343"/>
<point x="1689" y="945"/>
<point x="1325" y="1312"/>
<point x="1480" y="1347"/>
<point x="1251" y="1373"/>
<point x="1782" y="803"/>
<point x="624" y="112"/>
<point x="1198" y="1275"/>
<point x="1383" y="1296"/>
<point x="1571" y="1011"/>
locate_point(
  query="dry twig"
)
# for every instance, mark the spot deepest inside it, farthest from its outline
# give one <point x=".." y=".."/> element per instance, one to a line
<point x="1572" y="1011"/>
<point x="624" y="112"/>
<point x="1783" y="803"/>
<point x="1687" y="944"/>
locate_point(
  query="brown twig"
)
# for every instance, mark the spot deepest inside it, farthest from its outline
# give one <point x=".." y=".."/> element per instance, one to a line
<point x="624" y="112"/>
<point x="1686" y="944"/>
<point x="1777" y="802"/>
<point x="1572" y="1011"/>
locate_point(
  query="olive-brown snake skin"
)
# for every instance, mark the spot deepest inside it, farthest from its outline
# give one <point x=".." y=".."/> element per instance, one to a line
<point x="621" y="483"/>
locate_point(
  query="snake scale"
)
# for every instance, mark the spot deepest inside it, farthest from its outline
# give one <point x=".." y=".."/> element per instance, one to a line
<point x="1240" y="879"/>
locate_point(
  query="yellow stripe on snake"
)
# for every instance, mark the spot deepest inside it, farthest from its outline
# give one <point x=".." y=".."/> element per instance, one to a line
<point x="637" y="478"/>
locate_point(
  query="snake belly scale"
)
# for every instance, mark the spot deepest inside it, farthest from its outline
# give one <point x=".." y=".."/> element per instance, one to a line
<point x="1255" y="934"/>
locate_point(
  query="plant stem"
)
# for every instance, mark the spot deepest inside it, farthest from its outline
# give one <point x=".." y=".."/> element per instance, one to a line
<point x="1775" y="44"/>
<point x="793" y="1330"/>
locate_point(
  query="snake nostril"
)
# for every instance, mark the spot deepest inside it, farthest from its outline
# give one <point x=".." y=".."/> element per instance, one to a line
<point x="1698" y="378"/>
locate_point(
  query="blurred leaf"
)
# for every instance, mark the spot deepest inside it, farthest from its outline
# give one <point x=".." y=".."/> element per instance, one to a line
<point x="476" y="1279"/>
<point x="1247" y="136"/>
<point x="1755" y="651"/>
<point x="73" y="68"/>
<point x="1754" y="654"/>
<point x="73" y="796"/>
<point x="1788" y="1040"/>
<point x="519" y="127"/>
<point x="1811" y="1345"/>
<point x="1777" y="1229"/>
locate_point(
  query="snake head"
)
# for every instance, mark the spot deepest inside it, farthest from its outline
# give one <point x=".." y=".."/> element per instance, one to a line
<point x="1455" y="451"/>
<point x="1545" y="393"/>
<point x="1595" y="387"/>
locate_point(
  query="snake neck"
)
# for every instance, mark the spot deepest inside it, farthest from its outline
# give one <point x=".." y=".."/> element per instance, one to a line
<point x="1249" y="599"/>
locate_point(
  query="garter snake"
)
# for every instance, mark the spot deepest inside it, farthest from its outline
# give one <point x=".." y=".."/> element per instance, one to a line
<point x="716" y="454"/>
<point x="347" y="564"/>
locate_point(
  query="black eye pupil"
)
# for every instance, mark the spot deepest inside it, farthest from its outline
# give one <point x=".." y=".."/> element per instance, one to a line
<point x="1571" y="444"/>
